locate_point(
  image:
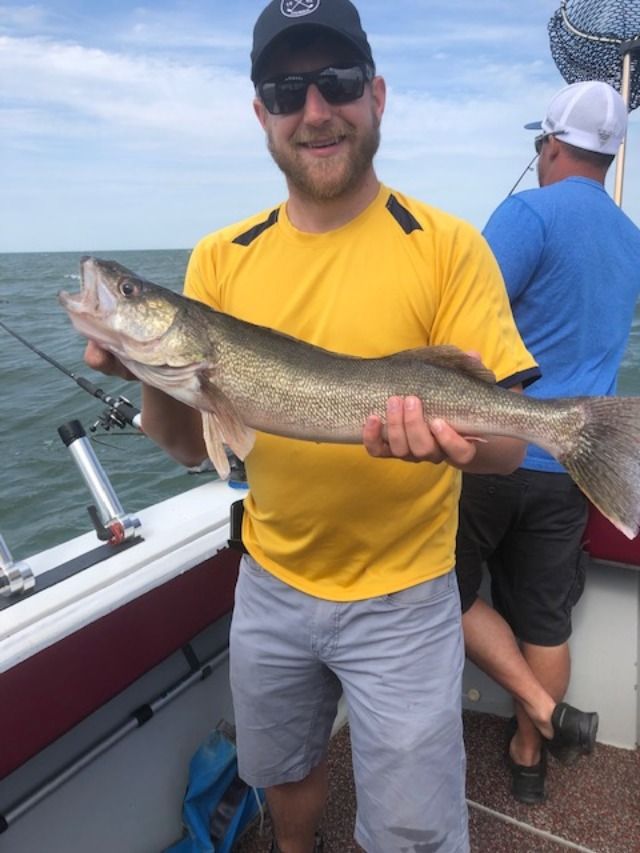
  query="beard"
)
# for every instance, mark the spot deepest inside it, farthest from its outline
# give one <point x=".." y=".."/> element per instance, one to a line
<point x="328" y="178"/>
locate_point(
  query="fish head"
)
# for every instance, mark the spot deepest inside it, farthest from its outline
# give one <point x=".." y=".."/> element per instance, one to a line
<point x="128" y="315"/>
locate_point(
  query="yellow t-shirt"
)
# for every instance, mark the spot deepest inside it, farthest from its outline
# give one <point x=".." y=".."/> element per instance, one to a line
<point x="329" y="519"/>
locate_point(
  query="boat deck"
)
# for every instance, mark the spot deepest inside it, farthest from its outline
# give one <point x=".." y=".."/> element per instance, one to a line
<point x="592" y="806"/>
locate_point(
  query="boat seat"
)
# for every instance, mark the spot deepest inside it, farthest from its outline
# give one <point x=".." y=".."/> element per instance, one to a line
<point x="602" y="541"/>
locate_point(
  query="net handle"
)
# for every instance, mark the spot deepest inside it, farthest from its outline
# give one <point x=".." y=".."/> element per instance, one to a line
<point x="626" y="49"/>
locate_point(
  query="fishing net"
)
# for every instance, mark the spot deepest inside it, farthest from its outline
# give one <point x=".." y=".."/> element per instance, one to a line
<point x="589" y="39"/>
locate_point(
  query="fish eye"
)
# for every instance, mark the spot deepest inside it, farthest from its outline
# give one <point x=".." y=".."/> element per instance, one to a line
<point x="128" y="287"/>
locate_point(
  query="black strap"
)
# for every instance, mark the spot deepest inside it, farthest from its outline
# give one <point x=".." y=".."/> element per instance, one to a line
<point x="236" y="511"/>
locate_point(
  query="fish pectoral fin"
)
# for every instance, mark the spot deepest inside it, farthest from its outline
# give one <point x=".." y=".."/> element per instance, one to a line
<point x="239" y="437"/>
<point x="214" y="442"/>
<point x="229" y="424"/>
<point x="451" y="357"/>
<point x="215" y="438"/>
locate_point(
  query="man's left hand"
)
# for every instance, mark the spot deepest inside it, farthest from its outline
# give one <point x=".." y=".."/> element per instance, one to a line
<point x="408" y="436"/>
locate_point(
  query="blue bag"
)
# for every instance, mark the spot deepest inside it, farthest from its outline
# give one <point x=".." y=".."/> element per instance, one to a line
<point x="218" y="805"/>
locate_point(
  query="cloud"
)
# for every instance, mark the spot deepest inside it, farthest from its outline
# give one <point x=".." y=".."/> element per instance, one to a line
<point x="66" y="88"/>
<point x="22" y="18"/>
<point x="131" y="126"/>
<point x="159" y="30"/>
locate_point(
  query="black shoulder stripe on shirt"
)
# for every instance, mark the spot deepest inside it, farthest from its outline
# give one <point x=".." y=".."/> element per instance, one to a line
<point x="249" y="236"/>
<point x="523" y="377"/>
<point x="403" y="217"/>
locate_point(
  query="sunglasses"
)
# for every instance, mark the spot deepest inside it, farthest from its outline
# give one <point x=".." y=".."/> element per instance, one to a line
<point x="286" y="93"/>
<point x="539" y="141"/>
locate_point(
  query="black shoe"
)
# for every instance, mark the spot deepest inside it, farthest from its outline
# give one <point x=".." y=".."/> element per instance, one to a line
<point x="527" y="782"/>
<point x="318" y="847"/>
<point x="574" y="733"/>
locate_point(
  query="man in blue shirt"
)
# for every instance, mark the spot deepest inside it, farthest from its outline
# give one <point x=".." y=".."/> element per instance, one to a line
<point x="571" y="263"/>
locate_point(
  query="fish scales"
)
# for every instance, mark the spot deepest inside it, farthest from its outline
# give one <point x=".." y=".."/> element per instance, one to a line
<point x="330" y="397"/>
<point x="277" y="381"/>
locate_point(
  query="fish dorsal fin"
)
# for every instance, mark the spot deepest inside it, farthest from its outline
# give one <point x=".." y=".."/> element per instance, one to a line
<point x="224" y="423"/>
<point x="451" y="357"/>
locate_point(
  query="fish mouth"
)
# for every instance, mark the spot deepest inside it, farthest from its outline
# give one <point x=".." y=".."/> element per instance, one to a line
<point x="95" y="296"/>
<point x="92" y="309"/>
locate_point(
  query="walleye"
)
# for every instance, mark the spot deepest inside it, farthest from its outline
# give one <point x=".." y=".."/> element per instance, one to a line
<point x="244" y="377"/>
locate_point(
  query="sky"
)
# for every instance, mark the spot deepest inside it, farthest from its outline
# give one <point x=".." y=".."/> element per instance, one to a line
<point x="130" y="126"/>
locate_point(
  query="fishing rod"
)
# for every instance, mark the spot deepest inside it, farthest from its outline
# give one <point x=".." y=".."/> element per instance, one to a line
<point x="529" y="168"/>
<point x="120" y="412"/>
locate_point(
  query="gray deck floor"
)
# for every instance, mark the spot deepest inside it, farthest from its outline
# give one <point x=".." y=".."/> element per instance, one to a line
<point x="593" y="806"/>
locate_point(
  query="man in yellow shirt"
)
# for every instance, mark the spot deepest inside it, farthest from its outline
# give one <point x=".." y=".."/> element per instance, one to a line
<point x="348" y="583"/>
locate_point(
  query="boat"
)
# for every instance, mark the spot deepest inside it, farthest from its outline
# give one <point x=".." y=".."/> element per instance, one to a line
<point x="114" y="670"/>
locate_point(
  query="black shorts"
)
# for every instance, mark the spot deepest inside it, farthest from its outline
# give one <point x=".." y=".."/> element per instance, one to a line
<point x="528" y="528"/>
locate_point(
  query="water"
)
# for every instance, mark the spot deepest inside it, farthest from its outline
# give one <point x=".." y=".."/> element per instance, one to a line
<point x="42" y="496"/>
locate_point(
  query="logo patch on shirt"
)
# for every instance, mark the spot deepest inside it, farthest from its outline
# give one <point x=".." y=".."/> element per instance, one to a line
<point x="298" y="8"/>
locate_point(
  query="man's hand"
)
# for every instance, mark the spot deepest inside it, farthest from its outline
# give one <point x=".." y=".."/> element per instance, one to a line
<point x="105" y="362"/>
<point x="407" y="436"/>
<point x="173" y="425"/>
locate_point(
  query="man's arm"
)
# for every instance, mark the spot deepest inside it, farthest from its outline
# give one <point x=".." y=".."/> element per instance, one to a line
<point x="409" y="437"/>
<point x="516" y="236"/>
<point x="174" y="426"/>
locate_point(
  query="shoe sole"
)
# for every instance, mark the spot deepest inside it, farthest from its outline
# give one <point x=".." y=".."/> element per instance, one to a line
<point x="530" y="801"/>
<point x="568" y="755"/>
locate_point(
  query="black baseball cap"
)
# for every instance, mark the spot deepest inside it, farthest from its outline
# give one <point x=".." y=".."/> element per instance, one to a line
<point x="338" y="17"/>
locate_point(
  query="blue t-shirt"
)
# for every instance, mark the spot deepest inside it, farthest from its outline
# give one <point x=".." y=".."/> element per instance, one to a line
<point x="571" y="263"/>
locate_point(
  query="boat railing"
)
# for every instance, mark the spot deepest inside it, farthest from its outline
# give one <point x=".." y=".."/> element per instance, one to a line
<point x="15" y="578"/>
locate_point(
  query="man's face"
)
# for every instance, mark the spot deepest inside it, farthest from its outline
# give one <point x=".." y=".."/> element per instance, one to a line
<point x="324" y="150"/>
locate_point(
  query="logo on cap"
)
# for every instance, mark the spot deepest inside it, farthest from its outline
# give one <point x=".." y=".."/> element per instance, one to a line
<point x="298" y="8"/>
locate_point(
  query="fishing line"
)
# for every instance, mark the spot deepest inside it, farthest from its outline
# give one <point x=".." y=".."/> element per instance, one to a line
<point x="124" y="434"/>
<point x="120" y="411"/>
<point x="106" y="444"/>
<point x="528" y="169"/>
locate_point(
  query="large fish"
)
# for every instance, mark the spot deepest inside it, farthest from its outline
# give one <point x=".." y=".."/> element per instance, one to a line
<point x="244" y="377"/>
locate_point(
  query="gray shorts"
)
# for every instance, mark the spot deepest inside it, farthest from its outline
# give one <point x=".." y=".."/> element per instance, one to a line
<point x="398" y="659"/>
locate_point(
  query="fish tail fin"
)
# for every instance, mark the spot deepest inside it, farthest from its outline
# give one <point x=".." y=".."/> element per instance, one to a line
<point x="605" y="461"/>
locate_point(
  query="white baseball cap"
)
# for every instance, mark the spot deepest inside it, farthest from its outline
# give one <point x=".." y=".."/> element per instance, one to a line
<point x="590" y="115"/>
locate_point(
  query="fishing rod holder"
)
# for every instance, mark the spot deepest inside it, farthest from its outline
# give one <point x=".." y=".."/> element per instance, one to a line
<point x="15" y="578"/>
<point x="111" y="522"/>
